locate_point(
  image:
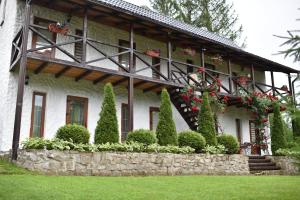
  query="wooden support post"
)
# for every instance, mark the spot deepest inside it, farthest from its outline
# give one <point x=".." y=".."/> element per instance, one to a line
<point x="273" y="84"/>
<point x="131" y="80"/>
<point x="290" y="85"/>
<point x="230" y="75"/>
<point x="253" y="77"/>
<point x="203" y="65"/>
<point x="84" y="41"/>
<point x="169" y="49"/>
<point x="21" y="83"/>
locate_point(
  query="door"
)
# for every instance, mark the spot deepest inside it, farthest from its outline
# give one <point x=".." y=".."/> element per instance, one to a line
<point x="254" y="138"/>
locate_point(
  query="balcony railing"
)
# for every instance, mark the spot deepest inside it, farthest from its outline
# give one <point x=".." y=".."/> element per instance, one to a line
<point x="176" y="75"/>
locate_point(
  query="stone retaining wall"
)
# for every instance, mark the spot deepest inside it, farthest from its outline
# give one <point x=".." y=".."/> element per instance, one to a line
<point x="127" y="164"/>
<point x="289" y="165"/>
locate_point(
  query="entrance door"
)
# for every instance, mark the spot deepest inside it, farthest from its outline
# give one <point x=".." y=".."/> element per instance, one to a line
<point x="254" y="137"/>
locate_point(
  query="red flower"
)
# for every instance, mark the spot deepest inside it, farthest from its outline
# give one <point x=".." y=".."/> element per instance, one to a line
<point x="196" y="99"/>
<point x="185" y="97"/>
<point x="190" y="90"/>
<point x="212" y="94"/>
<point x="195" y="109"/>
<point x="264" y="120"/>
<point x="201" y="69"/>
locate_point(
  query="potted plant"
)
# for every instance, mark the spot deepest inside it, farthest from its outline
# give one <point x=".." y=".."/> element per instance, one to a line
<point x="59" y="28"/>
<point x="153" y="52"/>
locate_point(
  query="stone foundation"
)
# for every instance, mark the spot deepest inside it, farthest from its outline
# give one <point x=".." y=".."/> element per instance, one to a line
<point x="130" y="164"/>
<point x="289" y="165"/>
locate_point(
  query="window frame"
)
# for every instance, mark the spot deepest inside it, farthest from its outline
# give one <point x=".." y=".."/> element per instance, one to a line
<point x="51" y="54"/>
<point x="68" y="111"/>
<point x="120" y="50"/>
<point x="151" y="110"/>
<point x="44" y="95"/>
<point x="123" y="136"/>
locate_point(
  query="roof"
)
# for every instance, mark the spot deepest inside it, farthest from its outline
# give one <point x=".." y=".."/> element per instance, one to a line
<point x="166" y="21"/>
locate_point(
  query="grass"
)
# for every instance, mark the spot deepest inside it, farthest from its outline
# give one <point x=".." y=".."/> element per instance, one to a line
<point x="35" y="187"/>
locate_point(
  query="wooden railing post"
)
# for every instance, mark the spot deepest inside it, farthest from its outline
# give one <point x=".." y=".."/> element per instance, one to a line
<point x="273" y="84"/>
<point x="290" y="85"/>
<point x="203" y="65"/>
<point x="253" y="77"/>
<point x="21" y="83"/>
<point x="84" y="41"/>
<point x="131" y="80"/>
<point x="169" y="49"/>
<point x="230" y="75"/>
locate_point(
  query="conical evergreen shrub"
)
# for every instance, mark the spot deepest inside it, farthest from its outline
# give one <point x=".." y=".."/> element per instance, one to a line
<point x="166" y="130"/>
<point x="107" y="126"/>
<point x="278" y="139"/>
<point x="206" y="122"/>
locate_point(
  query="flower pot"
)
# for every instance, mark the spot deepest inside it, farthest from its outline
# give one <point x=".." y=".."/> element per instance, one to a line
<point x="153" y="53"/>
<point x="57" y="28"/>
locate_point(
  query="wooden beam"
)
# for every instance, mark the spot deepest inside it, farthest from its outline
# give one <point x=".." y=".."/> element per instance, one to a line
<point x="140" y="83"/>
<point x="290" y="85"/>
<point x="101" y="78"/>
<point x="152" y="88"/>
<point x="253" y="77"/>
<point x="40" y="67"/>
<point x="84" y="74"/>
<point x="130" y="103"/>
<point x="84" y="38"/>
<point x="169" y="50"/>
<point x="273" y="84"/>
<point x="61" y="72"/>
<point x="21" y="83"/>
<point x="230" y="75"/>
<point x="122" y="80"/>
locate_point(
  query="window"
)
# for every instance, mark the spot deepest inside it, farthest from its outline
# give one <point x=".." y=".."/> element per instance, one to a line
<point x="124" y="58"/>
<point x="77" y="108"/>
<point x="78" y="46"/>
<point x="156" y="75"/>
<point x="154" y="113"/>
<point x="124" y="122"/>
<point x="38" y="114"/>
<point x="38" y="42"/>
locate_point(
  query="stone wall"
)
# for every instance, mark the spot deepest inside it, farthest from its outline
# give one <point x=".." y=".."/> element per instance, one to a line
<point x="289" y="165"/>
<point x="128" y="164"/>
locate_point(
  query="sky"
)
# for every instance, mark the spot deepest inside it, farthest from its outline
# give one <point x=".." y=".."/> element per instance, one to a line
<point x="262" y="19"/>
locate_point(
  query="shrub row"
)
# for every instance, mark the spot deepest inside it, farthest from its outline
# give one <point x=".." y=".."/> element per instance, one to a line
<point x="57" y="144"/>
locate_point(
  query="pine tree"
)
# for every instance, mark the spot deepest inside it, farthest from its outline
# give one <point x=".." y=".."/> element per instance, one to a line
<point x="107" y="126"/>
<point x="278" y="139"/>
<point x="206" y="122"/>
<point x="166" y="130"/>
<point x="217" y="16"/>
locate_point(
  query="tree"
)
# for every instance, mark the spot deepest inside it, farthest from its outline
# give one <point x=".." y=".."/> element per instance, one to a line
<point x="216" y="16"/>
<point x="206" y="122"/>
<point x="166" y="129"/>
<point x="107" y="126"/>
<point x="278" y="139"/>
<point x="293" y="40"/>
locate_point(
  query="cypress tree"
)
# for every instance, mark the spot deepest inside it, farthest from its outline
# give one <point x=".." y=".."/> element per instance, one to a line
<point x="107" y="126"/>
<point x="278" y="139"/>
<point x="206" y="122"/>
<point x="166" y="130"/>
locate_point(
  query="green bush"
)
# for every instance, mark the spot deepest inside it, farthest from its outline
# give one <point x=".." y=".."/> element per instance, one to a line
<point x="142" y="136"/>
<point x="191" y="139"/>
<point x="278" y="139"/>
<point x="218" y="149"/>
<point x="296" y="123"/>
<point x="57" y="144"/>
<point x="206" y="122"/>
<point x="229" y="142"/>
<point x="107" y="127"/>
<point x="74" y="132"/>
<point x="166" y="130"/>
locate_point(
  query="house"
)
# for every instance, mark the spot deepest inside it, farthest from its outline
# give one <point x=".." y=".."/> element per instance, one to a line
<point x="56" y="57"/>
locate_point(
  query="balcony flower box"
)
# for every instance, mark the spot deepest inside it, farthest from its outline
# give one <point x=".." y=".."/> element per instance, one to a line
<point x="58" y="28"/>
<point x="153" y="52"/>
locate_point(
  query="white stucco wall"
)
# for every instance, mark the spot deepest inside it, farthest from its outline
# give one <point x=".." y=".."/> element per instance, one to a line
<point x="58" y="89"/>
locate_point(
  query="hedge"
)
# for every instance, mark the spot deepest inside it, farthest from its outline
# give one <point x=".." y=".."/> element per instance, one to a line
<point x="73" y="132"/>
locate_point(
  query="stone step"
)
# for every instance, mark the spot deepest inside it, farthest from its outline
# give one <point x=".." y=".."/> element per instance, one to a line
<point x="267" y="173"/>
<point x="259" y="160"/>
<point x="264" y="168"/>
<point x="256" y="157"/>
<point x="262" y="164"/>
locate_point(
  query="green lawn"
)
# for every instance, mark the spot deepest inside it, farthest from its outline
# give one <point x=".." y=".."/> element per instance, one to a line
<point x="29" y="186"/>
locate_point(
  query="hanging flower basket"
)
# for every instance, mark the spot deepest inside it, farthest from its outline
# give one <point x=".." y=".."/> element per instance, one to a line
<point x="189" y="51"/>
<point x="153" y="52"/>
<point x="58" y="28"/>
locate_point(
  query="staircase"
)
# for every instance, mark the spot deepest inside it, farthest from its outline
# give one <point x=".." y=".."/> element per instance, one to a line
<point x="185" y="110"/>
<point x="262" y="165"/>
